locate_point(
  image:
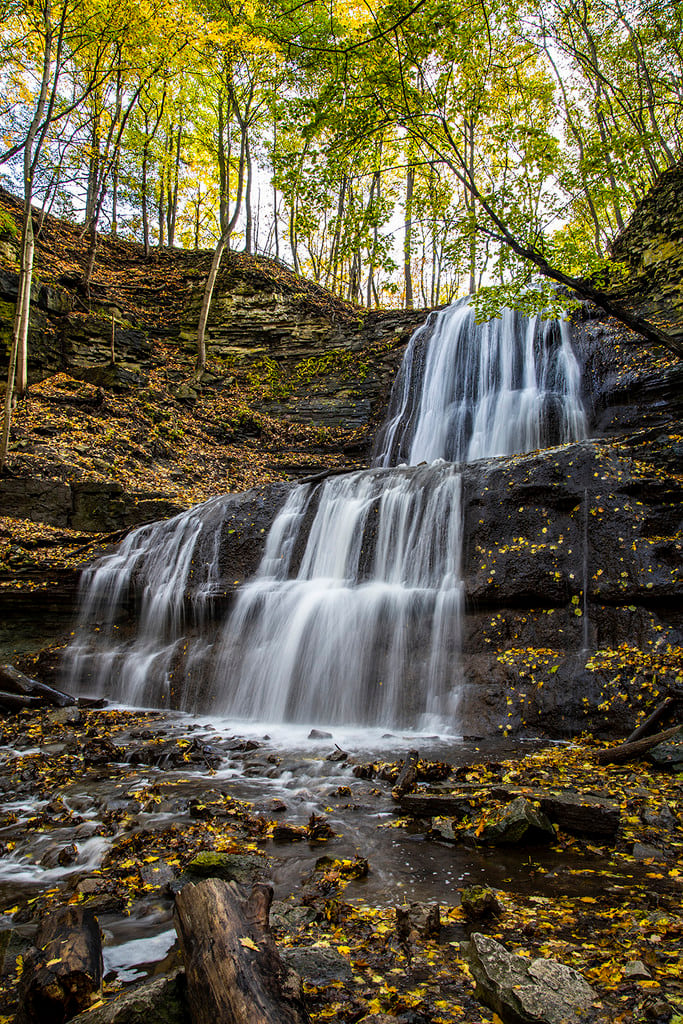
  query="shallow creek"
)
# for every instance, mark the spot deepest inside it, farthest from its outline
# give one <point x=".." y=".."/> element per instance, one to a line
<point x="284" y="767"/>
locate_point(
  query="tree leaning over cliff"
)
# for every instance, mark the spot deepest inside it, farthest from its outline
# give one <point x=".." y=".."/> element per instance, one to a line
<point x="554" y="120"/>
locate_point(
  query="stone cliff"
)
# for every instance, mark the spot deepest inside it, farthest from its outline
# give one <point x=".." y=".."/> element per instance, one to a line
<point x="572" y="565"/>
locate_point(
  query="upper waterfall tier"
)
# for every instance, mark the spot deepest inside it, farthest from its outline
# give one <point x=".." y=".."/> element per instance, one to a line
<point x="469" y="391"/>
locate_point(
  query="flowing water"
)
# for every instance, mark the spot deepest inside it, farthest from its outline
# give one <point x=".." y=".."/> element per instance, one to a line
<point x="354" y="616"/>
<point x="353" y="619"/>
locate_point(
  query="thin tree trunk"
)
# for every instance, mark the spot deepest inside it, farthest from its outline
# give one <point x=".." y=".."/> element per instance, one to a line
<point x="145" y="215"/>
<point x="249" y="225"/>
<point x="115" y="197"/>
<point x="20" y="331"/>
<point x="198" y="206"/>
<point x="216" y="261"/>
<point x="275" y="228"/>
<point x="161" y="215"/>
<point x="408" y="238"/>
<point x="336" y="240"/>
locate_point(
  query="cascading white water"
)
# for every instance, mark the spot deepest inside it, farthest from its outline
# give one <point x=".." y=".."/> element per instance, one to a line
<point x="468" y="391"/>
<point x="354" y="615"/>
<point x="366" y="630"/>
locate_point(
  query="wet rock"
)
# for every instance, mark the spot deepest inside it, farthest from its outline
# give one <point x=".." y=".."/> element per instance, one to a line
<point x="157" y="874"/>
<point x="160" y="1001"/>
<point x="231" y="867"/>
<point x="317" y="965"/>
<point x="645" y="852"/>
<point x="12" y="945"/>
<point x="91" y="884"/>
<point x="479" y="902"/>
<point x="65" y="716"/>
<point x="581" y="814"/>
<point x="319" y="734"/>
<point x="525" y="991"/>
<point x="425" y="918"/>
<point x="100" y="751"/>
<point x="290" y="917"/>
<point x="205" y="753"/>
<point x="337" y="755"/>
<point x="441" y="830"/>
<point x="669" y="754"/>
<point x="636" y="970"/>
<point x="275" y="806"/>
<point x="67" y="855"/>
<point x="518" y="823"/>
<point x="286" y="833"/>
<point x="165" y="754"/>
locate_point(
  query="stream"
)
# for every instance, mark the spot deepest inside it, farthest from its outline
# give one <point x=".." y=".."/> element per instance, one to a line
<point x="286" y="776"/>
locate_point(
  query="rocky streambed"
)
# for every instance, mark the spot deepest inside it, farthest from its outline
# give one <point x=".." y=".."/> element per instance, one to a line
<point x="547" y="853"/>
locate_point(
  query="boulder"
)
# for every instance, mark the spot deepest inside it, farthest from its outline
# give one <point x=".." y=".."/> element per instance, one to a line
<point x="478" y="902"/>
<point x="520" y="822"/>
<point x="668" y="754"/>
<point x="581" y="814"/>
<point x="318" y="965"/>
<point x="159" y="1001"/>
<point x="525" y="991"/>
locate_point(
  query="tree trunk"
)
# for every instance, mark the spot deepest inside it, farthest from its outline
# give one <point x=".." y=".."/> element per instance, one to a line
<point x="145" y="215"/>
<point x="336" y="240"/>
<point x="631" y="751"/>
<point x="249" y="225"/>
<point x="24" y="301"/>
<point x="63" y="975"/>
<point x="161" y="215"/>
<point x="115" y="197"/>
<point x="408" y="238"/>
<point x="234" y="972"/>
<point x="276" y="236"/>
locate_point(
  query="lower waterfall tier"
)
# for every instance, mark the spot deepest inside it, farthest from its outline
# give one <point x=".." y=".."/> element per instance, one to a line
<point x="354" y="614"/>
<point x="570" y="602"/>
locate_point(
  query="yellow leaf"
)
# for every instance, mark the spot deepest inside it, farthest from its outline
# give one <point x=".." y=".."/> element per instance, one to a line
<point x="248" y="943"/>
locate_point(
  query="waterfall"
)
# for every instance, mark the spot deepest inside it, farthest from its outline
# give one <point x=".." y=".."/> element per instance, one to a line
<point x="354" y="615"/>
<point x="468" y="391"/>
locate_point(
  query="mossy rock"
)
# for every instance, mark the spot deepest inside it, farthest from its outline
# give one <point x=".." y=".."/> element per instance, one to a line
<point x="231" y="867"/>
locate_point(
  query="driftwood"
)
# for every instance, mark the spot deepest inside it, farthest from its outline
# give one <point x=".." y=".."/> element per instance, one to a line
<point x="234" y="972"/>
<point x="15" y="702"/>
<point x="62" y="976"/>
<point x="660" y="712"/>
<point x="407" y="777"/>
<point x="14" y="681"/>
<point x="631" y="751"/>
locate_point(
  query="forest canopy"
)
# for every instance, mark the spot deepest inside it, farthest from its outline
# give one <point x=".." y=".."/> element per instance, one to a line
<point x="383" y="150"/>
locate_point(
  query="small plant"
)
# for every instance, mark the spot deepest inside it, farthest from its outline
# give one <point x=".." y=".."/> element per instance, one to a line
<point x="8" y="227"/>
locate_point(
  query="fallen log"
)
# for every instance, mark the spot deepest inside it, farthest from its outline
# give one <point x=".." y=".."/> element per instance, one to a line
<point x="630" y="751"/>
<point x="646" y="727"/>
<point x="16" y="682"/>
<point x="235" y="974"/>
<point x="15" y="702"/>
<point x="62" y="976"/>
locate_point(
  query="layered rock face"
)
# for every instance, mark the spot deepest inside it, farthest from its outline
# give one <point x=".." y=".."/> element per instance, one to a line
<point x="572" y="610"/>
<point x="569" y="610"/>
